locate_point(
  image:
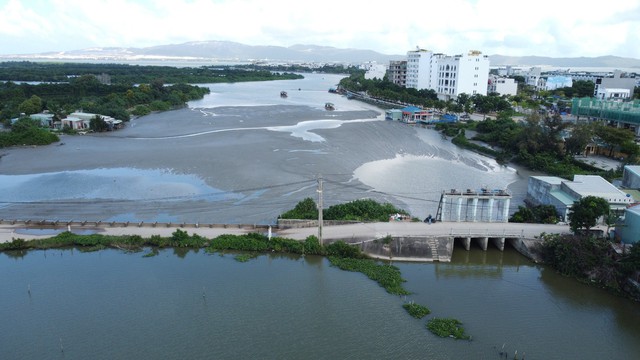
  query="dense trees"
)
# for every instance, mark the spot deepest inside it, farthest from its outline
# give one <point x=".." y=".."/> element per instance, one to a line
<point x="361" y="210"/>
<point x="98" y="124"/>
<point x="586" y="211"/>
<point x="541" y="214"/>
<point x="86" y="93"/>
<point x="121" y="74"/>
<point x="27" y="131"/>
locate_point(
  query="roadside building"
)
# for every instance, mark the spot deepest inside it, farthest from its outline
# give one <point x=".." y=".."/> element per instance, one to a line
<point x="618" y="87"/>
<point x="75" y="123"/>
<point x="413" y="114"/>
<point x="393" y="114"/>
<point x="422" y="66"/>
<point x="561" y="193"/>
<point x="533" y="77"/>
<point x="112" y="123"/>
<point x="502" y="86"/>
<point x="631" y="177"/>
<point x="466" y="73"/>
<point x="448" y="76"/>
<point x="397" y="72"/>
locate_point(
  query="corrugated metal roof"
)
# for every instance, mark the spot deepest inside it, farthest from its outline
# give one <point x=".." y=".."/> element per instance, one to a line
<point x="594" y="185"/>
<point x="553" y="180"/>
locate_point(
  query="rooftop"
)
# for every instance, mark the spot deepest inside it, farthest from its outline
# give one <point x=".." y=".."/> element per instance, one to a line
<point x="633" y="169"/>
<point x="594" y="185"/>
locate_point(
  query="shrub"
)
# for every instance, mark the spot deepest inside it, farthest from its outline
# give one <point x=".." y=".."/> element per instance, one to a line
<point x="447" y="328"/>
<point x="416" y="310"/>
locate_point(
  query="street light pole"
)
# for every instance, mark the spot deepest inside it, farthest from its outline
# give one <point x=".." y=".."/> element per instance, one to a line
<point x="320" y="206"/>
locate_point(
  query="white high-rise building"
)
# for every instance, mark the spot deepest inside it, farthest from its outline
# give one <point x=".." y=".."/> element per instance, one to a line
<point x="448" y="75"/>
<point x="467" y="73"/>
<point x="421" y="69"/>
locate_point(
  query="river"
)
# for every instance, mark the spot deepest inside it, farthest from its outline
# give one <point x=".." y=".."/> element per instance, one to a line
<point x="182" y="304"/>
<point x="244" y="155"/>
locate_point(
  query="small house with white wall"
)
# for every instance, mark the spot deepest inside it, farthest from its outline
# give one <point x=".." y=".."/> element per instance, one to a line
<point x="75" y="123"/>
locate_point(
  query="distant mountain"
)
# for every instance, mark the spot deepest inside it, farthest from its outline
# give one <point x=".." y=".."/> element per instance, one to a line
<point x="600" y="61"/>
<point x="222" y="51"/>
<point x="227" y="51"/>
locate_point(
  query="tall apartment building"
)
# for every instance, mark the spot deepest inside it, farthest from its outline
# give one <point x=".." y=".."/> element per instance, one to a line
<point x="448" y="75"/>
<point x="397" y="72"/>
<point x="467" y="73"/>
<point x="422" y="69"/>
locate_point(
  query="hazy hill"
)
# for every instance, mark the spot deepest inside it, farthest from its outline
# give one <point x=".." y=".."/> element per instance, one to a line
<point x="600" y="61"/>
<point x="232" y="51"/>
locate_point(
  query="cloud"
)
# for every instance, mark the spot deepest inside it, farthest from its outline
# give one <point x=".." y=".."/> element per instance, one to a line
<point x="546" y="27"/>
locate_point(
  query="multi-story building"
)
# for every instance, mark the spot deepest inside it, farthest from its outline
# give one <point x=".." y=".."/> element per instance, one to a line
<point x="615" y="88"/>
<point x="502" y="86"/>
<point x="466" y="73"/>
<point x="448" y="76"/>
<point x="422" y="66"/>
<point x="533" y="78"/>
<point x="397" y="72"/>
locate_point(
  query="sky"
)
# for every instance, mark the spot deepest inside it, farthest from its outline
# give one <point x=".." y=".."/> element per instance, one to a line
<point x="556" y="28"/>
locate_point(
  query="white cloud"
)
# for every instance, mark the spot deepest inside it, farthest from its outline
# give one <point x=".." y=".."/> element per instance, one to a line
<point x="546" y="27"/>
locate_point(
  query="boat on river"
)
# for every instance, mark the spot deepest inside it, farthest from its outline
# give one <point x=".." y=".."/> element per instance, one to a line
<point x="283" y="94"/>
<point x="329" y="106"/>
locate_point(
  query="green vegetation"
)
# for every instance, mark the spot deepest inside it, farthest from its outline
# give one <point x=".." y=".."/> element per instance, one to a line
<point x="27" y="132"/>
<point x="447" y="328"/>
<point x="305" y="209"/>
<point x="122" y="74"/>
<point x="88" y="94"/>
<point x="245" y="257"/>
<point x="357" y="210"/>
<point x="591" y="260"/>
<point x="540" y="214"/>
<point x="350" y="258"/>
<point x="387" y="276"/>
<point x="586" y="211"/>
<point x="416" y="310"/>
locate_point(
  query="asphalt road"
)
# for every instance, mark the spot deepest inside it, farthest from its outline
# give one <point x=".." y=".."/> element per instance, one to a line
<point x="360" y="231"/>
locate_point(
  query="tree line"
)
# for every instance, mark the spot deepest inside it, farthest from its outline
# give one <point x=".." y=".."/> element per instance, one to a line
<point x="136" y="74"/>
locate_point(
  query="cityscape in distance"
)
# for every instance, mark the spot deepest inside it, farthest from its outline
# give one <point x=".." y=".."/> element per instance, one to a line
<point x="227" y="51"/>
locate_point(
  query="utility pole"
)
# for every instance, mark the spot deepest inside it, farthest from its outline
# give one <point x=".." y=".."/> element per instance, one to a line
<point x="320" y="206"/>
